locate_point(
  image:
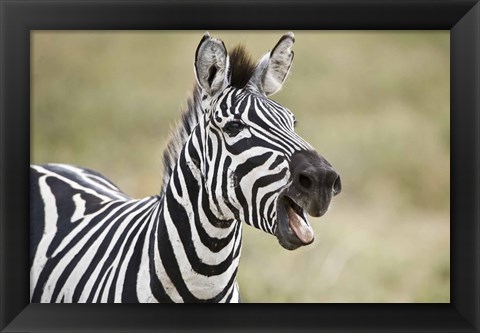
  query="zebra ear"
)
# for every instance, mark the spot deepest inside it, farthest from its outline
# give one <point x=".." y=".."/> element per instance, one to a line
<point x="273" y="68"/>
<point x="211" y="65"/>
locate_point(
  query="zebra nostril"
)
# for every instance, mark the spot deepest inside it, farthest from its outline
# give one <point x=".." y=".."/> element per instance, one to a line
<point x="337" y="186"/>
<point x="305" y="181"/>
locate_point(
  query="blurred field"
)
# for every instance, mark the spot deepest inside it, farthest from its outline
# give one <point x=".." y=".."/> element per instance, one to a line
<point x="375" y="104"/>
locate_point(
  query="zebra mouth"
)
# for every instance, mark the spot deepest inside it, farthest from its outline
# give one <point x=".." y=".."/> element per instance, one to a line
<point x="293" y="228"/>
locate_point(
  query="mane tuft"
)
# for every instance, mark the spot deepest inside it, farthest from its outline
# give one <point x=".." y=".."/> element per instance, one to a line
<point x="241" y="67"/>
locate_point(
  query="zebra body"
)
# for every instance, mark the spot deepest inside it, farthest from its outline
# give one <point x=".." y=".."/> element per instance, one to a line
<point x="234" y="158"/>
<point x="113" y="248"/>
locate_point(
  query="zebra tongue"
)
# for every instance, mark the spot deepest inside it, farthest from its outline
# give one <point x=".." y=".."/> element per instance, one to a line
<point x="300" y="226"/>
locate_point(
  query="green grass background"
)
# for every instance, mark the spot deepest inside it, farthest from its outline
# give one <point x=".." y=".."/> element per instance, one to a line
<point x="375" y="104"/>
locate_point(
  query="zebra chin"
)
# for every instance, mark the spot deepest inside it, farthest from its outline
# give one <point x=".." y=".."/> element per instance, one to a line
<point x="293" y="229"/>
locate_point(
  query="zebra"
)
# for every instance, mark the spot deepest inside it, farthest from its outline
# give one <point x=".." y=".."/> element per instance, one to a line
<point x="234" y="157"/>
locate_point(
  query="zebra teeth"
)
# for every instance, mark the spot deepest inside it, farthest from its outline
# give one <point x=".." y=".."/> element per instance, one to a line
<point x="297" y="221"/>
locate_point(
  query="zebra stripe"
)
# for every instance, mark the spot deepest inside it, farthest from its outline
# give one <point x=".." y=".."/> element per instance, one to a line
<point x="234" y="158"/>
<point x="99" y="252"/>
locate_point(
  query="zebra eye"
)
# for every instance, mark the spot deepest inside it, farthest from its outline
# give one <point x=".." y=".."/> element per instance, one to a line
<point x="233" y="127"/>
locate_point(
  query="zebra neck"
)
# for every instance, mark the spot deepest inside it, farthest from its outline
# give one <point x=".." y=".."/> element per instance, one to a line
<point x="179" y="136"/>
<point x="199" y="251"/>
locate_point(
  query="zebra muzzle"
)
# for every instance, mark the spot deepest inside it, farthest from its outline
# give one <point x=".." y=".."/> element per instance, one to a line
<point x="313" y="184"/>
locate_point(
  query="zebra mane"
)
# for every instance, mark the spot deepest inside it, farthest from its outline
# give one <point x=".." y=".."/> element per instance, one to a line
<point x="241" y="70"/>
<point x="241" y="67"/>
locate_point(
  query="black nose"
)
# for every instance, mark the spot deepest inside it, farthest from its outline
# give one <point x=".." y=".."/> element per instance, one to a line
<point x="314" y="182"/>
<point x="311" y="179"/>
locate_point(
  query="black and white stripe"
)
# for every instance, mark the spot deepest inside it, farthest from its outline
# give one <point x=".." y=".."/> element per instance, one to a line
<point x="228" y="162"/>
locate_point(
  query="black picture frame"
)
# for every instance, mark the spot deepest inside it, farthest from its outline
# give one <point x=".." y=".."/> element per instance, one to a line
<point x="19" y="17"/>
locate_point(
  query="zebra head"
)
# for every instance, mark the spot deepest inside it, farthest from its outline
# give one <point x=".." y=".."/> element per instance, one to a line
<point x="254" y="166"/>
